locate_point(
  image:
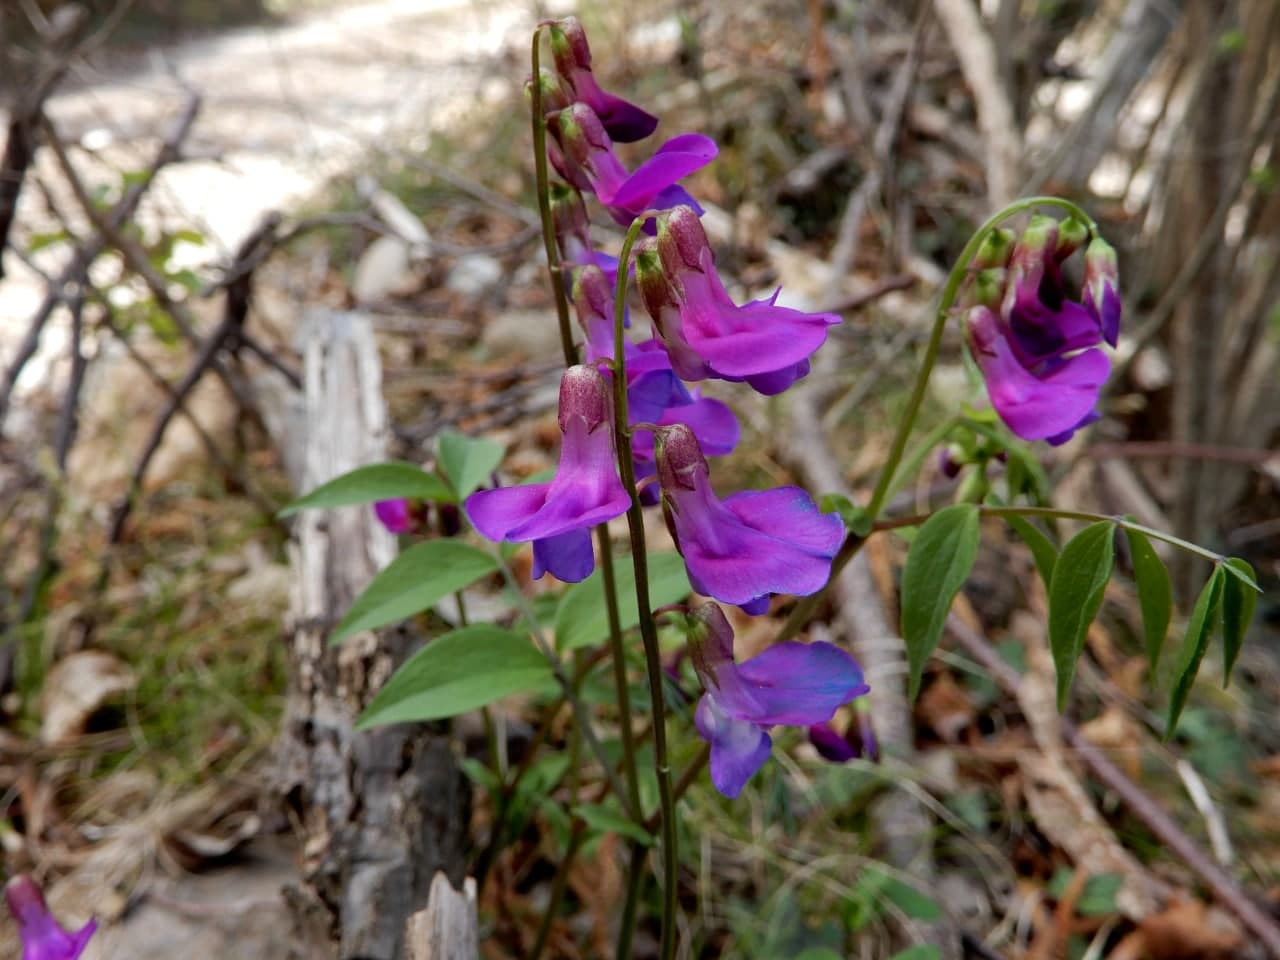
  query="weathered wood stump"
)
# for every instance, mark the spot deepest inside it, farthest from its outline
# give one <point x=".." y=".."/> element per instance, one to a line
<point x="382" y="810"/>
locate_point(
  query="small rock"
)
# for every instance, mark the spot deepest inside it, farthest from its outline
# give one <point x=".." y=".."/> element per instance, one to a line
<point x="384" y="269"/>
<point x="474" y="275"/>
<point x="529" y="333"/>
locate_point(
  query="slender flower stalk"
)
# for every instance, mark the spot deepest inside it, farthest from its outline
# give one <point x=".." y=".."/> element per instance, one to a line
<point x="648" y="629"/>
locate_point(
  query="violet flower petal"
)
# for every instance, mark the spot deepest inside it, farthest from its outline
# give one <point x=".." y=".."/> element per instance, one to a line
<point x="674" y="160"/>
<point x="567" y="557"/>
<point x="738" y="748"/>
<point x="795" y="684"/>
<point x="830" y="745"/>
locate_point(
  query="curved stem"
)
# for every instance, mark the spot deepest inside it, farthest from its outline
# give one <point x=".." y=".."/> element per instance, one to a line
<point x="539" y="120"/>
<point x="949" y="292"/>
<point x="648" y="629"/>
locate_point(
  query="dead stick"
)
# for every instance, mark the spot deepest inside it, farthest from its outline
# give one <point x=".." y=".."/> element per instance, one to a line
<point x="87" y="253"/>
<point x="1140" y="804"/>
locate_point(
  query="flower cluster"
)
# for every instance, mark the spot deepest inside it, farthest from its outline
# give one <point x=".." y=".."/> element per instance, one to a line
<point x="1038" y="350"/>
<point x="741" y="549"/>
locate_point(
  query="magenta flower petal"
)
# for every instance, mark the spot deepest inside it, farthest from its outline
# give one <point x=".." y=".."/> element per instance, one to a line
<point x="674" y="160"/>
<point x="1035" y="407"/>
<point x="738" y="748"/>
<point x="42" y="936"/>
<point x="624" y="121"/>
<point x="494" y="512"/>
<point x="394" y="514"/>
<point x="796" y="684"/>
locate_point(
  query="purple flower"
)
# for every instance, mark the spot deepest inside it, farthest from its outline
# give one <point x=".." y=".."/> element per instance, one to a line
<point x="395" y="515"/>
<point x="1102" y="288"/>
<point x="791" y="684"/>
<point x="1048" y="401"/>
<point x="749" y="545"/>
<point x="1039" y="356"/>
<point x="558" y="516"/>
<point x="705" y="332"/>
<point x="586" y="159"/>
<point x="42" y="937"/>
<point x="655" y="394"/>
<point x="624" y="121"/>
<point x="573" y="236"/>
<point x="856" y="742"/>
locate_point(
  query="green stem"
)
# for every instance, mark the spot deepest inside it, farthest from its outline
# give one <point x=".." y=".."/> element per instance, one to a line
<point x="544" y="201"/>
<point x="627" y="926"/>
<point x="575" y="842"/>
<point x="648" y="629"/>
<point x="806" y="607"/>
<point x="618" y="654"/>
<point x="911" y="464"/>
<point x="949" y="292"/>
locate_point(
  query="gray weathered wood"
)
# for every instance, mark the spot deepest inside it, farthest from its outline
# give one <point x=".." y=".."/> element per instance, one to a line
<point x="383" y="810"/>
<point x="448" y="928"/>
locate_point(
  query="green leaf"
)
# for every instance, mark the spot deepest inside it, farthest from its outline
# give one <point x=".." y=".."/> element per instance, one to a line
<point x="463" y="670"/>
<point x="377" y="481"/>
<point x="911" y="901"/>
<point x="416" y="580"/>
<point x="937" y="566"/>
<point x="921" y="951"/>
<point x="1155" y="593"/>
<point x="1079" y="579"/>
<point x="1097" y="899"/>
<point x="1043" y="551"/>
<point x="582" y="619"/>
<point x="467" y="461"/>
<point x="608" y="819"/>
<point x="1204" y="617"/>
<point x="1239" y="598"/>
<point x="856" y="519"/>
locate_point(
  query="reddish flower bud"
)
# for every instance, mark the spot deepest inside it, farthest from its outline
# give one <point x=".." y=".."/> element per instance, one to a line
<point x="584" y="394"/>
<point x="1072" y="234"/>
<point x="1102" y="288"/>
<point x="679" y="457"/>
<point x="681" y="240"/>
<point x="995" y="251"/>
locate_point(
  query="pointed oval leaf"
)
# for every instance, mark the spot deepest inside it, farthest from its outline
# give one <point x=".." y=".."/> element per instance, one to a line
<point x="467" y="461"/>
<point x="416" y="580"/>
<point x="1043" y="551"/>
<point x="582" y="618"/>
<point x="1155" y="593"/>
<point x="1079" y="579"/>
<point x="941" y="557"/>
<point x="1239" y="598"/>
<point x="377" y="481"/>
<point x="463" y="670"/>
<point x="1204" y="618"/>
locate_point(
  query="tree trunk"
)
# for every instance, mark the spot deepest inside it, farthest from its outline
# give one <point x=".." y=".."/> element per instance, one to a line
<point x="383" y="810"/>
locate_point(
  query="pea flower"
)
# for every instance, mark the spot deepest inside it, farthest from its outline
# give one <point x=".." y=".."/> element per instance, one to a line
<point x="857" y="742"/>
<point x="395" y="514"/>
<point x="623" y="121"/>
<point x="706" y="334"/>
<point x="789" y="684"/>
<point x="42" y="937"/>
<point x="558" y="515"/>
<point x="752" y="544"/>
<point x="1039" y="355"/>
<point x="573" y="235"/>
<point x="586" y="159"/>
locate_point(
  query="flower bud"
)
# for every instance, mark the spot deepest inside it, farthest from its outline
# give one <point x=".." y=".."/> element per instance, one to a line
<point x="580" y="133"/>
<point x="396" y="515"/>
<point x="569" y="45"/>
<point x="1072" y="234"/>
<point x="592" y="295"/>
<point x="1039" y="237"/>
<point x="569" y="216"/>
<point x="679" y="457"/>
<point x="652" y="280"/>
<point x="974" y="487"/>
<point x="450" y="519"/>
<point x="584" y="393"/>
<point x="710" y="642"/>
<point x="995" y="250"/>
<point x="1102" y="288"/>
<point x="988" y="288"/>
<point x="554" y="95"/>
<point x="951" y="460"/>
<point x="681" y="240"/>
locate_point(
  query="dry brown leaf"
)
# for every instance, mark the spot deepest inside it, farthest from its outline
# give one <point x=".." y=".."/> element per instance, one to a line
<point x="945" y="708"/>
<point x="1117" y="733"/>
<point x="76" y="687"/>
<point x="1186" y="930"/>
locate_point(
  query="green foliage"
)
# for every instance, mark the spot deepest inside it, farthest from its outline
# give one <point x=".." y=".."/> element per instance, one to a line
<point x="368" y="484"/>
<point x="855" y="518"/>
<point x="583" y="620"/>
<point x="1239" y="598"/>
<point x="938" y="565"/>
<point x="463" y="670"/>
<point x="1199" y="631"/>
<point x="921" y="951"/>
<point x="608" y="818"/>
<point x="1097" y="899"/>
<point x="1043" y="551"/>
<point x="1075" y="594"/>
<point x="416" y="580"/>
<point x="1155" y="593"/>
<point x="466" y="461"/>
